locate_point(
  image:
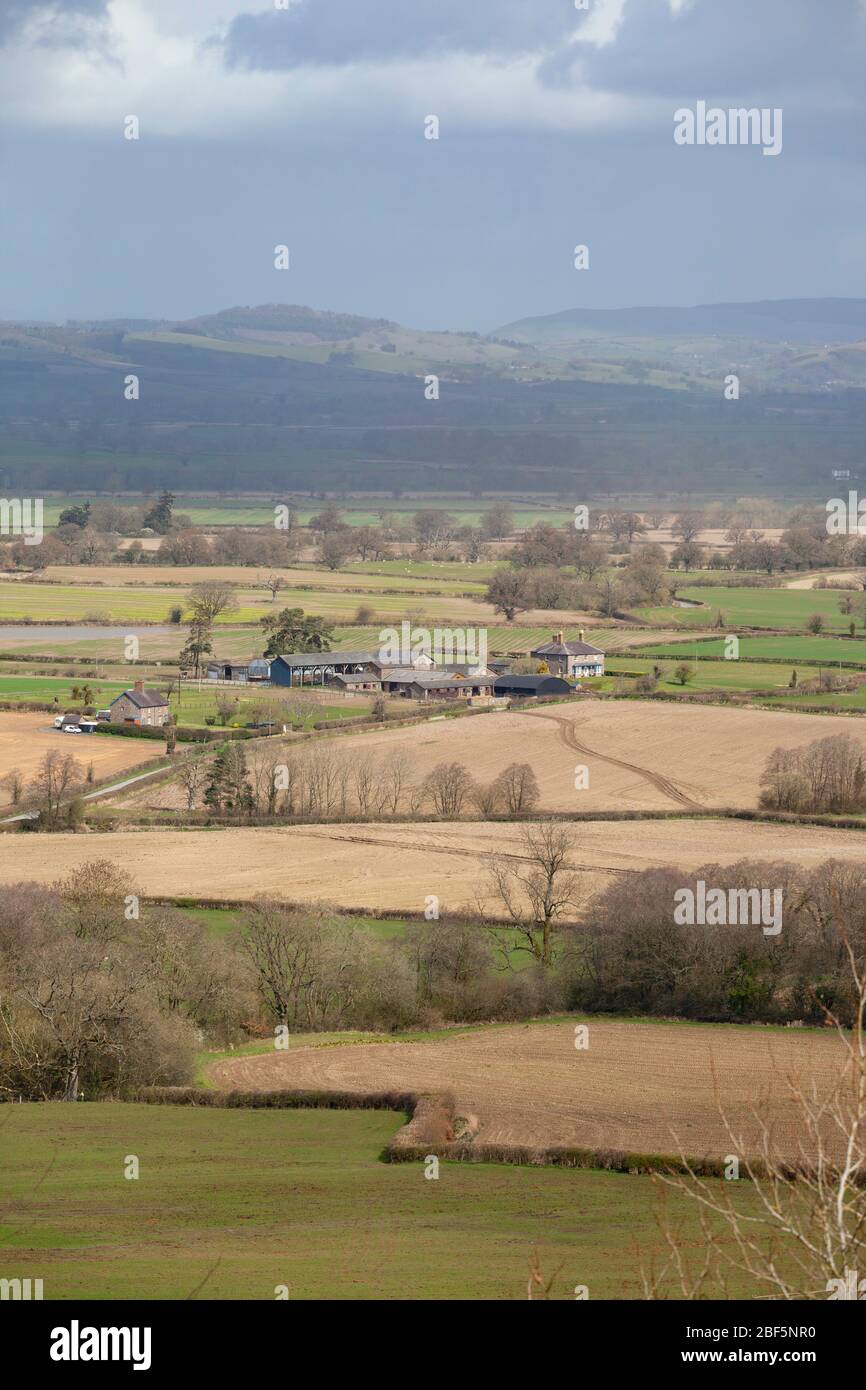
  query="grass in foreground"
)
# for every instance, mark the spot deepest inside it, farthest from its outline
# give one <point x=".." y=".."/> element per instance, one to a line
<point x="231" y="1204"/>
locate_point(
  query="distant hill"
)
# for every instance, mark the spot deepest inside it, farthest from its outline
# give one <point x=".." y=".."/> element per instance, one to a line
<point x="284" y="318"/>
<point x="815" y="321"/>
<point x="283" y="396"/>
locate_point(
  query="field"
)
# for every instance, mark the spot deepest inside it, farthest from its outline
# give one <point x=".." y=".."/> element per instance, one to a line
<point x="706" y="675"/>
<point x="259" y="511"/>
<point x="35" y="602"/>
<point x="393" y="576"/>
<point x="393" y="868"/>
<point x="528" y="1085"/>
<point x="640" y="755"/>
<point x="231" y="1204"/>
<point x="756" y="608"/>
<point x="825" y="650"/>
<point x="26" y="737"/>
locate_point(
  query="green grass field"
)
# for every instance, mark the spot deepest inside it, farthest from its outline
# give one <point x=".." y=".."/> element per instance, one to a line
<point x="58" y="689"/>
<point x="231" y="1204"/>
<point x="812" y="649"/>
<point x="193" y="707"/>
<point x="744" y="607"/>
<point x="259" y="511"/>
<point x="722" y="675"/>
<point x="126" y="603"/>
<point x="221" y="921"/>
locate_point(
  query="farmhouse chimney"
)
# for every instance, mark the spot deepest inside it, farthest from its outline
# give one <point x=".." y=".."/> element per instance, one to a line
<point x="139" y="687"/>
<point x="580" y="634"/>
<point x="557" y="637"/>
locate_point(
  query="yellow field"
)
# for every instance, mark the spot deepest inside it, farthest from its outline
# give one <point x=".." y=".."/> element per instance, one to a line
<point x="640" y="756"/>
<point x="26" y="737"/>
<point x="394" y="868"/>
<point x="642" y="1087"/>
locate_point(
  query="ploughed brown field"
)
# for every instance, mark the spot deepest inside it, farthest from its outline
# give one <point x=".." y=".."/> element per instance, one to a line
<point x="652" y="1088"/>
<point x="393" y="868"/>
<point x="26" y="736"/>
<point x="640" y="757"/>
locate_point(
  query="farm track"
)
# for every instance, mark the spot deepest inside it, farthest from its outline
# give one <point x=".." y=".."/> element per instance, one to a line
<point x="443" y="848"/>
<point x="663" y="784"/>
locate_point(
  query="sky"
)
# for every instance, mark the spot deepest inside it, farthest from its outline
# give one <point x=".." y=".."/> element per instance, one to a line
<point x="302" y="122"/>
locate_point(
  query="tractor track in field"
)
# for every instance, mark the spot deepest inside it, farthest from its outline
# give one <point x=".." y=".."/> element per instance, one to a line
<point x="437" y="847"/>
<point x="663" y="784"/>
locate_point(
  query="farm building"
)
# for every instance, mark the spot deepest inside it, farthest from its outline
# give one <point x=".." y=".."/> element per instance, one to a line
<point x="570" y="658"/>
<point x="358" y="680"/>
<point x="317" y="668"/>
<point x="140" y="706"/>
<point x="528" y="686"/>
<point x="433" y="685"/>
<point x="314" y="668"/>
<point x="257" y="670"/>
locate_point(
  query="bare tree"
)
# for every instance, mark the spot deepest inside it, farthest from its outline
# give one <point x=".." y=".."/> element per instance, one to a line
<point x="803" y="1234"/>
<point x="365" y="778"/>
<point x="487" y="797"/>
<point x="534" y="898"/>
<point x="393" y="779"/>
<point x="688" y="526"/>
<point x="95" y="896"/>
<point x="14" y="782"/>
<point x="518" y="787"/>
<point x="275" y="582"/>
<point x="192" y="774"/>
<point x="209" y="599"/>
<point x="448" y="786"/>
<point x="57" y="775"/>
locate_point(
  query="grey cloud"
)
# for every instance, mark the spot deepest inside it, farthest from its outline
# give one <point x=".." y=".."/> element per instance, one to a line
<point x="66" y="13"/>
<point x="739" y="46"/>
<point x="347" y="31"/>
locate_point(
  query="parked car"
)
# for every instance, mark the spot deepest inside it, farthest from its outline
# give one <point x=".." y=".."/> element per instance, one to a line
<point x="103" y="714"/>
<point x="58" y="723"/>
<point x="71" y="729"/>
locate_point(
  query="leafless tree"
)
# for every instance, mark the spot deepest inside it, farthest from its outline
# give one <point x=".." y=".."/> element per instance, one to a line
<point x="209" y="599"/>
<point x="803" y="1233"/>
<point x="394" y="776"/>
<point x="95" y="897"/>
<point x="57" y="775"/>
<point x="688" y="526"/>
<point x="191" y="775"/>
<point x="14" y="782"/>
<point x="518" y="787"/>
<point x="448" y="787"/>
<point x="487" y="797"/>
<point x="536" y="897"/>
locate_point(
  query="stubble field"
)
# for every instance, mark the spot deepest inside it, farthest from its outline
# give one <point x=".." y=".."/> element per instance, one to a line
<point x="529" y="1085"/>
<point x="641" y="756"/>
<point x="26" y="737"/>
<point x="393" y="868"/>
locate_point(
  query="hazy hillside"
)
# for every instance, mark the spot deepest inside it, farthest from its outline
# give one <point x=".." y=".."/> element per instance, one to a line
<point x="286" y="396"/>
<point x="818" y="321"/>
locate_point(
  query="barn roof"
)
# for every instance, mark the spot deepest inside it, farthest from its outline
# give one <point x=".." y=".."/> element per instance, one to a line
<point x="328" y="658"/>
<point x="530" y="683"/>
